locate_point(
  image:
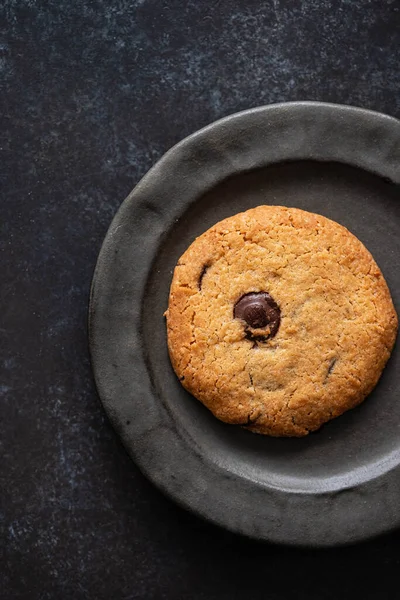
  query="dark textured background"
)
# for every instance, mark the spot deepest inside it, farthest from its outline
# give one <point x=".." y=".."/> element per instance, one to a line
<point x="93" y="93"/>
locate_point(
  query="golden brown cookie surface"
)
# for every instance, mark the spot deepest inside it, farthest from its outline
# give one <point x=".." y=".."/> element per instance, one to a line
<point x="279" y="320"/>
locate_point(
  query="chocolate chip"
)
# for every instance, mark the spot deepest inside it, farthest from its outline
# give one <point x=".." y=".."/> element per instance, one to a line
<point x="331" y="366"/>
<point x="259" y="311"/>
<point x="250" y="421"/>
<point x="203" y="272"/>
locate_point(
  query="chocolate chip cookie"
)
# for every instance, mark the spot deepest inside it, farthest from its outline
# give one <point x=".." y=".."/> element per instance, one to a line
<point x="279" y="320"/>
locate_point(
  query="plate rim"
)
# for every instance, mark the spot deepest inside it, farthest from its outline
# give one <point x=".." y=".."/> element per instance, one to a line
<point x="171" y="487"/>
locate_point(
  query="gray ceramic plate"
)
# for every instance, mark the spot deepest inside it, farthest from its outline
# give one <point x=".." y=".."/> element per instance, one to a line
<point x="339" y="485"/>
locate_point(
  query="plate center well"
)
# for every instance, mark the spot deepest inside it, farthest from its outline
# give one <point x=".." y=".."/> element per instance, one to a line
<point x="357" y="446"/>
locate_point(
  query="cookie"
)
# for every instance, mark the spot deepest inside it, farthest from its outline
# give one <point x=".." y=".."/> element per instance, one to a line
<point x="279" y="320"/>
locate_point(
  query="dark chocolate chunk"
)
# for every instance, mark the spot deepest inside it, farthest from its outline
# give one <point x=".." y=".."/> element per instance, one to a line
<point x="260" y="311"/>
<point x="330" y="369"/>
<point x="203" y="272"/>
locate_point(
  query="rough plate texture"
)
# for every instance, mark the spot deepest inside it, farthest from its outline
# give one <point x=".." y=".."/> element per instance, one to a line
<point x="337" y="486"/>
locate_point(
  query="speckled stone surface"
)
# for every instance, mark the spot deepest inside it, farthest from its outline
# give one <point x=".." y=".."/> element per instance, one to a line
<point x="93" y="93"/>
